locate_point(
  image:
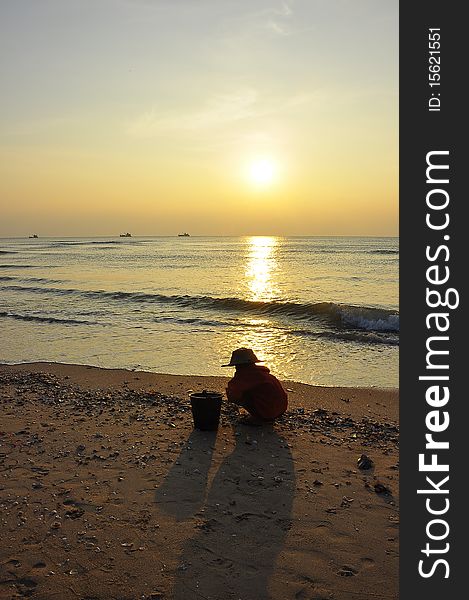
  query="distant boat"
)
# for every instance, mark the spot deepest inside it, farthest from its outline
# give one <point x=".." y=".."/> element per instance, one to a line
<point x="34" y="236"/>
<point x="125" y="234"/>
<point x="183" y="234"/>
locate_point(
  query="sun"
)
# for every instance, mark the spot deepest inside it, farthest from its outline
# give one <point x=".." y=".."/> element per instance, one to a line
<point x="262" y="171"/>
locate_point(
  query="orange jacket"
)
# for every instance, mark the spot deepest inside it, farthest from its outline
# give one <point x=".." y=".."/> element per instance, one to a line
<point x="255" y="387"/>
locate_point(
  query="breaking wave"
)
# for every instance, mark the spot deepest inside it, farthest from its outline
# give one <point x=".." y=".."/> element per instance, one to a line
<point x="341" y="316"/>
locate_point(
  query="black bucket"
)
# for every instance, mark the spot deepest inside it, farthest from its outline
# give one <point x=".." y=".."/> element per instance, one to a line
<point x="206" y="408"/>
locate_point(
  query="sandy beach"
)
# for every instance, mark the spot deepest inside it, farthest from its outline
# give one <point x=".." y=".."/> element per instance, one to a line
<point x="107" y="491"/>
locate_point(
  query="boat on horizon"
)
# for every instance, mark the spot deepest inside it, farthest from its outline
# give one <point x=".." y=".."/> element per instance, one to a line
<point x="34" y="236"/>
<point x="185" y="234"/>
<point x="125" y="234"/>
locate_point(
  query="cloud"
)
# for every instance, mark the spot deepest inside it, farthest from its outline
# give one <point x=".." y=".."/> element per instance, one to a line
<point x="220" y="110"/>
<point x="281" y="21"/>
<point x="276" y="28"/>
<point x="285" y="11"/>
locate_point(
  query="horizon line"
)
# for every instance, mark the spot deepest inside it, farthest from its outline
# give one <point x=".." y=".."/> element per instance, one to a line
<point x="175" y="235"/>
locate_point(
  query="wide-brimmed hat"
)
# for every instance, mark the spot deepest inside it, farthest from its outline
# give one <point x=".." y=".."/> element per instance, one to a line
<point x="242" y="356"/>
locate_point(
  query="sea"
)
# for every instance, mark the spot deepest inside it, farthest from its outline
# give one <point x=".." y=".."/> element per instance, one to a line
<point x="319" y="310"/>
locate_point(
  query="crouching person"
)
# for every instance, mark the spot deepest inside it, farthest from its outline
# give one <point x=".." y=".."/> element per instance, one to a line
<point x="254" y="388"/>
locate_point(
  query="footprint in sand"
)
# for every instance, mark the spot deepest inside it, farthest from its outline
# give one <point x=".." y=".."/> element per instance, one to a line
<point x="224" y="562"/>
<point x="14" y="562"/>
<point x="367" y="562"/>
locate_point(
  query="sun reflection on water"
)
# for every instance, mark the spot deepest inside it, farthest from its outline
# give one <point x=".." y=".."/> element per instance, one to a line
<point x="260" y="267"/>
<point x="260" y="284"/>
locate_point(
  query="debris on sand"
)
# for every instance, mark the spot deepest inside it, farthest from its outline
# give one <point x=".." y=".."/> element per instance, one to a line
<point x="51" y="390"/>
<point x="365" y="462"/>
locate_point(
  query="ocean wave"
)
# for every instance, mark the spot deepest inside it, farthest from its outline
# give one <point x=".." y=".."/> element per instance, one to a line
<point x="23" y="266"/>
<point x="362" y="337"/>
<point x="26" y="266"/>
<point x="345" y="316"/>
<point x="346" y="250"/>
<point x="45" y="319"/>
<point x="30" y="279"/>
<point x="64" y="244"/>
<point x="370" y="319"/>
<point x="192" y="321"/>
<point x="357" y="336"/>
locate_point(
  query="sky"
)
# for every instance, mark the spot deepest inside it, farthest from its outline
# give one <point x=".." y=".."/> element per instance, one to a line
<point x="216" y="117"/>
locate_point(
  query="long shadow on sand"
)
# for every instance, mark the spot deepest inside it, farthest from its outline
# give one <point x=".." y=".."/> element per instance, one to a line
<point x="245" y="521"/>
<point x="183" y="492"/>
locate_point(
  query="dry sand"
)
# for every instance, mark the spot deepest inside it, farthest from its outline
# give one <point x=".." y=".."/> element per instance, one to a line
<point x="107" y="492"/>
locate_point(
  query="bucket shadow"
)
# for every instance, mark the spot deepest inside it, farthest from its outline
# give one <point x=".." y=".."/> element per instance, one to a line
<point x="243" y="527"/>
<point x="183" y="491"/>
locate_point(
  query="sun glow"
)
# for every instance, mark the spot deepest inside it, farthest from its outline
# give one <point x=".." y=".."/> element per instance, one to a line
<point x="262" y="171"/>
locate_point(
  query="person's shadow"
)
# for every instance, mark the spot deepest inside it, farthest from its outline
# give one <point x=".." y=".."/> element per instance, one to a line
<point x="245" y="521"/>
<point x="183" y="492"/>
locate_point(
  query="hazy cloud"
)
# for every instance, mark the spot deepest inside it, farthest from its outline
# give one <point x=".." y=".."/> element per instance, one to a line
<point x="276" y="28"/>
<point x="221" y="110"/>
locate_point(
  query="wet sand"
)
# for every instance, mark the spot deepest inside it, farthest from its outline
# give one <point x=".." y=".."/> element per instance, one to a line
<point x="107" y="492"/>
